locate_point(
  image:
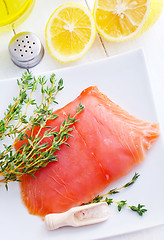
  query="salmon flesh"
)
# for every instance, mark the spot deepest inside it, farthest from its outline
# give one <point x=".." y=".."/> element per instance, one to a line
<point x="107" y="143"/>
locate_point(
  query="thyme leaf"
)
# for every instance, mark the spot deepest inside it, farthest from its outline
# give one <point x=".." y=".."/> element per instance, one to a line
<point x="135" y="177"/>
<point x="139" y="209"/>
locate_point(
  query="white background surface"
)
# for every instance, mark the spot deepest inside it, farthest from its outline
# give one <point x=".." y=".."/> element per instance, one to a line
<point x="152" y="43"/>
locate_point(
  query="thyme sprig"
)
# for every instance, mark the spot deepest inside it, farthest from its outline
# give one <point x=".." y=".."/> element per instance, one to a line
<point x="27" y="86"/>
<point x="117" y="190"/>
<point x="36" y="150"/>
<point x="123" y="203"/>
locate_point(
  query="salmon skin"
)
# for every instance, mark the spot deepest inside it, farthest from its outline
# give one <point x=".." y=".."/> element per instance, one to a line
<point x="107" y="143"/>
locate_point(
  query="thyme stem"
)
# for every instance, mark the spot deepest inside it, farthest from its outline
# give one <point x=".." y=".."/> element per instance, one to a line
<point x="123" y="203"/>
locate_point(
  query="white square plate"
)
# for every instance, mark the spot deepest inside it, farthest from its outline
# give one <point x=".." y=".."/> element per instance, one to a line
<point x="124" y="79"/>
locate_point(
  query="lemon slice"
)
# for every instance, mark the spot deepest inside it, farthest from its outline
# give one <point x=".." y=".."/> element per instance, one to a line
<point x="70" y="32"/>
<point x="120" y="20"/>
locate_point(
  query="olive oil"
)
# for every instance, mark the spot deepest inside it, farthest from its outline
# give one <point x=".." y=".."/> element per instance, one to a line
<point x="13" y="13"/>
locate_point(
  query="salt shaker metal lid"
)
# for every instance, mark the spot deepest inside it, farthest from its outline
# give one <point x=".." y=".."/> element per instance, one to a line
<point x="26" y="50"/>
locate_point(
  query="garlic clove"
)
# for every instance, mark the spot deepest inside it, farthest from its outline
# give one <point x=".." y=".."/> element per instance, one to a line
<point x="78" y="216"/>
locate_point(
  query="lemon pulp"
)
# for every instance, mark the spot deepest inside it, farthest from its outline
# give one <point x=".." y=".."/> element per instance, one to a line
<point x="119" y="20"/>
<point x="70" y="32"/>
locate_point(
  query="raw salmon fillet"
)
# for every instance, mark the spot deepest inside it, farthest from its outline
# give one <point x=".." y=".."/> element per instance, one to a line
<point x="107" y="143"/>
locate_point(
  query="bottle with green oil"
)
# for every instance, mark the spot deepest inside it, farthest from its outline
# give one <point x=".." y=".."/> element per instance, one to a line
<point x="13" y="13"/>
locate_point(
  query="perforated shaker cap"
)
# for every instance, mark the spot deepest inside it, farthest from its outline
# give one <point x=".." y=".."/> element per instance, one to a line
<point x="26" y="50"/>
